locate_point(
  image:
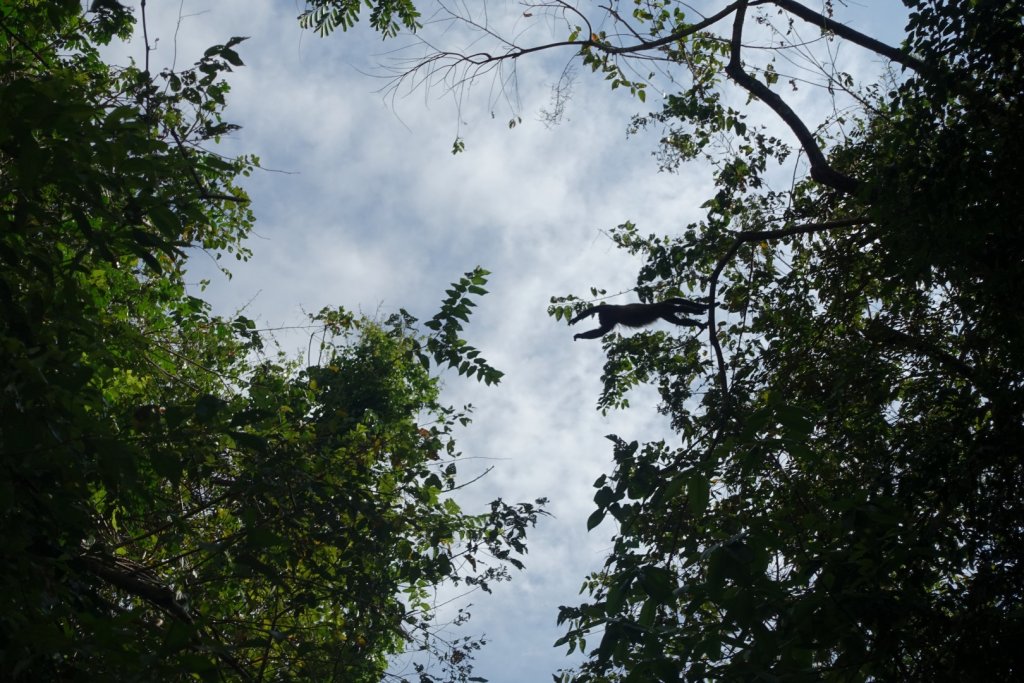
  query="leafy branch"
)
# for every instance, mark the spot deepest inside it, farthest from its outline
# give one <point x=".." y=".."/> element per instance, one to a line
<point x="445" y="344"/>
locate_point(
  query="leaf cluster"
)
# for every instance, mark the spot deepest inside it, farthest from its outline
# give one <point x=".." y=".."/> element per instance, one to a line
<point x="388" y="17"/>
<point x="177" y="504"/>
<point x="844" y="501"/>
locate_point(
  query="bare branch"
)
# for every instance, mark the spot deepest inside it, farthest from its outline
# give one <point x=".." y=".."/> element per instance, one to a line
<point x="856" y="37"/>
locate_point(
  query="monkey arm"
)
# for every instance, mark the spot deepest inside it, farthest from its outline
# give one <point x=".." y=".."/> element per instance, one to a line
<point x="594" y="334"/>
<point x="593" y="310"/>
<point x="604" y="329"/>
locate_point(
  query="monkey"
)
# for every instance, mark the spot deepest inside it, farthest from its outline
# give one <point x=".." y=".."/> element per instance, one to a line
<point x="639" y="315"/>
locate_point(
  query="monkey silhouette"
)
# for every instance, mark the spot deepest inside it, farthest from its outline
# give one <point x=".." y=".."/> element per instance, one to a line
<point x="639" y="315"/>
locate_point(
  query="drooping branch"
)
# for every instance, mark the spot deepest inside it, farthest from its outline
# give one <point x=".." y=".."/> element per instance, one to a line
<point x="746" y="237"/>
<point x="821" y="171"/>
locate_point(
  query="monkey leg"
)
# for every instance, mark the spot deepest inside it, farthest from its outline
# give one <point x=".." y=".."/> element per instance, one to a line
<point x="680" y="320"/>
<point x="686" y="306"/>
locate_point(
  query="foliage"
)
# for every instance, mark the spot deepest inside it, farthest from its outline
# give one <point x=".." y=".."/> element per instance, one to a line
<point x="177" y="504"/>
<point x="446" y="345"/>
<point x="846" y="500"/>
<point x="386" y="16"/>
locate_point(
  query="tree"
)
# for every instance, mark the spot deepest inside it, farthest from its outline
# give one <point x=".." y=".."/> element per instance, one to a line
<point x="846" y="500"/>
<point x="177" y="504"/>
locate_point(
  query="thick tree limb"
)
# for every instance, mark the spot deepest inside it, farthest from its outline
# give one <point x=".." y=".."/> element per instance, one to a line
<point x="138" y="581"/>
<point x="821" y="171"/>
<point x="856" y="37"/>
<point x="135" y="580"/>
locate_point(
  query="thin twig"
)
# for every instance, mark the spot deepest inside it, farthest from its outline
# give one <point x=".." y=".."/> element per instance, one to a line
<point x="856" y="37"/>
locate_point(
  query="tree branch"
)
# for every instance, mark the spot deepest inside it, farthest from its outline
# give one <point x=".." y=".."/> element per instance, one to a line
<point x="746" y="237"/>
<point x="687" y="30"/>
<point x="138" y="581"/>
<point x="135" y="580"/>
<point x="514" y="52"/>
<point x="856" y="37"/>
<point x="768" y="235"/>
<point x="820" y="169"/>
<point x="200" y="185"/>
<point x="880" y="332"/>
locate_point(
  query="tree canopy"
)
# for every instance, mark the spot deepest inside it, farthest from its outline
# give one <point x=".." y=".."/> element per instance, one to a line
<point x="845" y="499"/>
<point x="178" y="501"/>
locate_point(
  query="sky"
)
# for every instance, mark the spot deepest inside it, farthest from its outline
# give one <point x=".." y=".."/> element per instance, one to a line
<point x="361" y="204"/>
